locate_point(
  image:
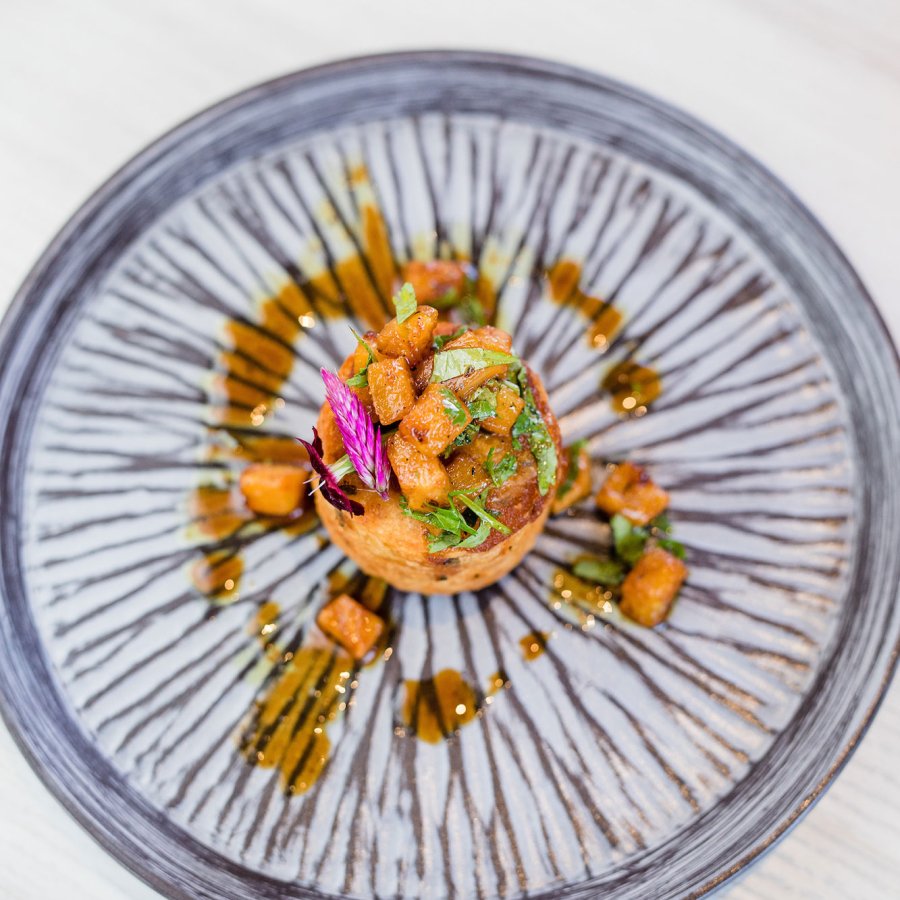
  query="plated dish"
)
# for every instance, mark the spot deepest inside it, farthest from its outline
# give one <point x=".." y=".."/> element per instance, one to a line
<point x="591" y="337"/>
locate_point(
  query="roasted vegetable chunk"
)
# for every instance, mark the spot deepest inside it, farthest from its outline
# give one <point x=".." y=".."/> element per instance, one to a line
<point x="436" y="280"/>
<point x="486" y="337"/>
<point x="577" y="484"/>
<point x="354" y="627"/>
<point x="466" y="385"/>
<point x="436" y="420"/>
<point x="629" y="491"/>
<point x="411" y="338"/>
<point x="650" y="587"/>
<point x="423" y="479"/>
<point x="392" y="389"/>
<point x="509" y="405"/>
<point x="273" y="490"/>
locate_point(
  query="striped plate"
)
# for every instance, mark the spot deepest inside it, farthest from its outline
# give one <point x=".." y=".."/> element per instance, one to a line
<point x="160" y="663"/>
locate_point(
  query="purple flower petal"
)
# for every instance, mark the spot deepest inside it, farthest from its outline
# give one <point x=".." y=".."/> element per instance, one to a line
<point x="362" y="442"/>
<point x="328" y="484"/>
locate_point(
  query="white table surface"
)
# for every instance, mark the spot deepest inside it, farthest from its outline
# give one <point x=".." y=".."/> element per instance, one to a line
<point x="811" y="87"/>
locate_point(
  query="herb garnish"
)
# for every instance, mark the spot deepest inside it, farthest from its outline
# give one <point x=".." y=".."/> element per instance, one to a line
<point x="405" y="302"/>
<point x="531" y="426"/>
<point x="453" y="407"/>
<point x="477" y="507"/>
<point x="502" y="471"/>
<point x="469" y="433"/>
<point x="629" y="539"/>
<point x="463" y="360"/>
<point x="483" y="404"/>
<point x="661" y="526"/>
<point x="454" y="530"/>
<point x="602" y="571"/>
<point x="361" y="378"/>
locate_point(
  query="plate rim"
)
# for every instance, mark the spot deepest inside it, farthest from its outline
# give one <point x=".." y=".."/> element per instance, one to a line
<point x="17" y="313"/>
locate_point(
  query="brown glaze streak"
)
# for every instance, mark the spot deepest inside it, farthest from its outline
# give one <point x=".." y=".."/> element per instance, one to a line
<point x="288" y="729"/>
<point x="632" y="387"/>
<point x="605" y="320"/>
<point x="435" y="708"/>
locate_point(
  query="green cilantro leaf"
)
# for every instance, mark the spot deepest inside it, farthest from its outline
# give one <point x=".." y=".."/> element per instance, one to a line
<point x="504" y="470"/>
<point x="466" y="437"/>
<point x="629" y="539"/>
<point x="361" y="378"/>
<point x="477" y="507"/>
<point x="454" y="530"/>
<point x="602" y="571"/>
<point x="661" y="523"/>
<point x="483" y="404"/>
<point x="462" y="360"/>
<point x="453" y="407"/>
<point x="530" y="425"/>
<point x="405" y="302"/>
<point x="480" y="536"/>
<point x="676" y="548"/>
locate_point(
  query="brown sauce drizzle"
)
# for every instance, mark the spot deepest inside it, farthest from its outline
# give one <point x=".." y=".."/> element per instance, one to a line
<point x="632" y="387"/>
<point x="605" y="320"/>
<point x="435" y="708"/>
<point x="218" y="575"/>
<point x="585" y="600"/>
<point x="288" y="729"/>
<point x="533" y="644"/>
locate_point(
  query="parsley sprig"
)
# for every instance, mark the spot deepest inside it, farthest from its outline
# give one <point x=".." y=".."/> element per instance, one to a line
<point x="502" y="471"/>
<point x="361" y="378"/>
<point x="531" y="426"/>
<point x="405" y="303"/>
<point x="453" y="530"/>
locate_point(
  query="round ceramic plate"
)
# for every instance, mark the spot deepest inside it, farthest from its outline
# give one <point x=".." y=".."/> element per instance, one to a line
<point x="160" y="663"/>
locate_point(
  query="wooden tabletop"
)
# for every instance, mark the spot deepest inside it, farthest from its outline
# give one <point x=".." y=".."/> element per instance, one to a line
<point x="811" y="87"/>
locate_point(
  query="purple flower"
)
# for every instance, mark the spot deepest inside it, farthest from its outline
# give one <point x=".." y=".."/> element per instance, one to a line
<point x="328" y="484"/>
<point x="362" y="440"/>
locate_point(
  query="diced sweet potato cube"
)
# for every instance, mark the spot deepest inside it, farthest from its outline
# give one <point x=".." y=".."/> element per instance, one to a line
<point x="392" y="389"/>
<point x="411" y="338"/>
<point x="273" y="490"/>
<point x="354" y="627"/>
<point x="629" y="491"/>
<point x="423" y="479"/>
<point x="466" y="385"/>
<point x="577" y="484"/>
<point x="423" y="372"/>
<point x="435" y="279"/>
<point x="509" y="405"/>
<point x="487" y="337"/>
<point x="435" y="421"/>
<point x="651" y="586"/>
